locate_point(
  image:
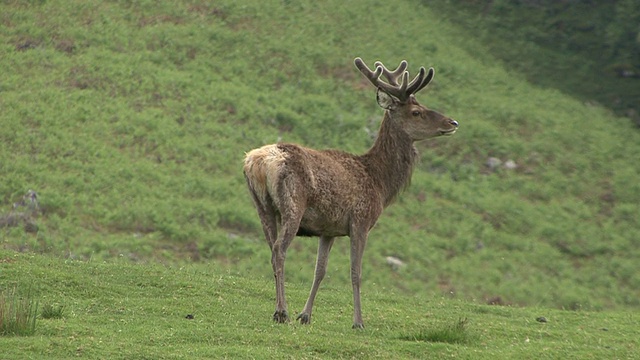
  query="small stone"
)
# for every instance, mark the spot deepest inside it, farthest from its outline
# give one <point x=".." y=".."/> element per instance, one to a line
<point x="394" y="262"/>
<point x="510" y="165"/>
<point x="541" y="319"/>
<point x="493" y="163"/>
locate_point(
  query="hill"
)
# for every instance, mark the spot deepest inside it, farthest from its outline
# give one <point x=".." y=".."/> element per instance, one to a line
<point x="588" y="49"/>
<point x="130" y="121"/>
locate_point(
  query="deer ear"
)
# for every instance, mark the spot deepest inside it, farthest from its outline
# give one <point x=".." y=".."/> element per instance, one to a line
<point x="385" y="100"/>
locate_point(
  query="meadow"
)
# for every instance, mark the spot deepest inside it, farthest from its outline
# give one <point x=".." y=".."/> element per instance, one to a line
<point x="130" y="120"/>
<point x="119" y="310"/>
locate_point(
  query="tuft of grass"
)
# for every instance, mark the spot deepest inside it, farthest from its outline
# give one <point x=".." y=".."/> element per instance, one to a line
<point x="17" y="313"/>
<point x="50" y="311"/>
<point x="456" y="333"/>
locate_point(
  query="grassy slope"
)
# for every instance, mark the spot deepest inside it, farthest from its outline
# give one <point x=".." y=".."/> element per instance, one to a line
<point x="558" y="45"/>
<point x="119" y="310"/>
<point x="131" y="119"/>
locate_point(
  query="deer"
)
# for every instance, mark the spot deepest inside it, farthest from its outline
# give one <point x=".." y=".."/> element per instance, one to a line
<point x="299" y="191"/>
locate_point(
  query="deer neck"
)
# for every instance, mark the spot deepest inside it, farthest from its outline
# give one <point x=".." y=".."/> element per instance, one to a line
<point x="390" y="160"/>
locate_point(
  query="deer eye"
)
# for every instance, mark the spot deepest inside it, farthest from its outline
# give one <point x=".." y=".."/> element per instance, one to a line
<point x="415" y="113"/>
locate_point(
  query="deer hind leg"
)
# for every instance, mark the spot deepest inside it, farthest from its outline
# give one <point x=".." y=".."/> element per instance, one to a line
<point x="288" y="229"/>
<point x="291" y="208"/>
<point x="324" y="247"/>
<point x="278" y="243"/>
<point x="269" y="219"/>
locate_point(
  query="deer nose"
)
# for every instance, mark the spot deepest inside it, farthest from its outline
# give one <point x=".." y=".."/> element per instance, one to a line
<point x="454" y="123"/>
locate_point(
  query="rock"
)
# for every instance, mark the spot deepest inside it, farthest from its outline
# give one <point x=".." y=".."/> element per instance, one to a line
<point x="493" y="163"/>
<point x="394" y="262"/>
<point x="496" y="300"/>
<point x="510" y="165"/>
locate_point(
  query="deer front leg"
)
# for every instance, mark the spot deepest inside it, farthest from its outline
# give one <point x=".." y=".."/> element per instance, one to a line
<point x="324" y="247"/>
<point x="358" y="242"/>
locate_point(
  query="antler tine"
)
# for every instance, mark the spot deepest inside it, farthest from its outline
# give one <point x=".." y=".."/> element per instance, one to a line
<point x="416" y="82"/>
<point x="392" y="76"/>
<point x="420" y="81"/>
<point x="373" y="76"/>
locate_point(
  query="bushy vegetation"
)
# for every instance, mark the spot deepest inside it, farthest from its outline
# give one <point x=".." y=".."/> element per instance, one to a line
<point x="18" y="311"/>
<point x="51" y="311"/>
<point x="456" y="333"/>
<point x="130" y="120"/>
<point x="589" y="49"/>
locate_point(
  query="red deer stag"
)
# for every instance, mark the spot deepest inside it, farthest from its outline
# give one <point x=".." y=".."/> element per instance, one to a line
<point x="329" y="193"/>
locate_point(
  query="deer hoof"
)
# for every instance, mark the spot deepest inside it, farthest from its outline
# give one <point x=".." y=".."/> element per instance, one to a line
<point x="281" y="316"/>
<point x="304" y="318"/>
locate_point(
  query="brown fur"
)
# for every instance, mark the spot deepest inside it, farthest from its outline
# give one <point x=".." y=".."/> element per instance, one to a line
<point x="330" y="193"/>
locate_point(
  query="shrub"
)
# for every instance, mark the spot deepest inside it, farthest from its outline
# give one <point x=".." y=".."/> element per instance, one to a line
<point x="17" y="313"/>
<point x="50" y="311"/>
<point x="456" y="333"/>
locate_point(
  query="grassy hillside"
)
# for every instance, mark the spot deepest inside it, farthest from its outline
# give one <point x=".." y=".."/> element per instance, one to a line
<point x="118" y="310"/>
<point x="130" y="120"/>
<point x="588" y="49"/>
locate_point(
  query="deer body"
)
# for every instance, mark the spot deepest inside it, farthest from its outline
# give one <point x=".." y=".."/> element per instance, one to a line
<point x="329" y="193"/>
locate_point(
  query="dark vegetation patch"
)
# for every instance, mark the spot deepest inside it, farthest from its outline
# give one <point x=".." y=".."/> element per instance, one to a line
<point x="455" y="333"/>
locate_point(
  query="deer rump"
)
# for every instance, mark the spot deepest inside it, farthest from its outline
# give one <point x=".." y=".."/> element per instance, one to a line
<point x="325" y="189"/>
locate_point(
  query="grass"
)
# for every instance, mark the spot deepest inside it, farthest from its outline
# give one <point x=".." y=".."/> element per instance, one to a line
<point x="17" y="312"/>
<point x="52" y="311"/>
<point x="130" y="121"/>
<point x="115" y="309"/>
<point x="455" y="333"/>
<point x="528" y="40"/>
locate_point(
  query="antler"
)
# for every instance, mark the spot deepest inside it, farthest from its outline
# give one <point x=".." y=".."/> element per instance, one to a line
<point x="402" y="90"/>
<point x="392" y="76"/>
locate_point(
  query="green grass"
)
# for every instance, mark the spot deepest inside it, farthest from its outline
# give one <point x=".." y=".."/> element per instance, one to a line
<point x="115" y="309"/>
<point x="455" y="333"/>
<point x="130" y="120"/>
<point x="18" y="310"/>
<point x="560" y="45"/>
<point x="52" y="311"/>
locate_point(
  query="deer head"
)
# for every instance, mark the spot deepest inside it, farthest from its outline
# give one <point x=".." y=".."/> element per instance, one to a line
<point x="398" y="98"/>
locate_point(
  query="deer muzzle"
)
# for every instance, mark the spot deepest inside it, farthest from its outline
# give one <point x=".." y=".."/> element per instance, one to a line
<point x="452" y="130"/>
